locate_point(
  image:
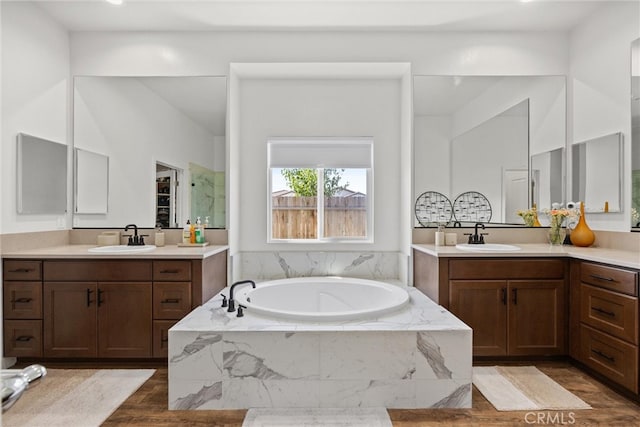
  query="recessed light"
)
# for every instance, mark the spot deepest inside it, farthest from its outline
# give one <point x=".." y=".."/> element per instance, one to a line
<point x="115" y="2"/>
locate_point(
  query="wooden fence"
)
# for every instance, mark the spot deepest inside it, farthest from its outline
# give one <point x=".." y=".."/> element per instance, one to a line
<point x="296" y="217"/>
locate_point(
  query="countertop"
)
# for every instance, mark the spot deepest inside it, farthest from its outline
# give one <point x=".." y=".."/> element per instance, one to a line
<point x="82" y="251"/>
<point x="630" y="259"/>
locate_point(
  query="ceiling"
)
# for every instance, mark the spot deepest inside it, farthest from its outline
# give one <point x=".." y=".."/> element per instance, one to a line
<point x="356" y="15"/>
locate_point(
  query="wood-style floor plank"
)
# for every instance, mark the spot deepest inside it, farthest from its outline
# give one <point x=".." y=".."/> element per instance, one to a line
<point x="148" y="406"/>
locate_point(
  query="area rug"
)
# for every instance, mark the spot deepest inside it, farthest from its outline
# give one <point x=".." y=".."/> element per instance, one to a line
<point x="74" y="397"/>
<point x="325" y="417"/>
<point x="523" y="388"/>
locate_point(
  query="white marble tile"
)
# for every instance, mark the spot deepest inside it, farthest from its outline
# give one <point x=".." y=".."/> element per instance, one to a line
<point x="195" y="355"/>
<point x="271" y="355"/>
<point x="242" y="393"/>
<point x="443" y="355"/>
<point x="443" y="393"/>
<point x="317" y="417"/>
<point x="367" y="355"/>
<point x="194" y="394"/>
<point x="363" y="393"/>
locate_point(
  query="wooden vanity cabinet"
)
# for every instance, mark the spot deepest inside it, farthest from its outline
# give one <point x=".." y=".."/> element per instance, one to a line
<point x="515" y="306"/>
<point x="22" y="308"/>
<point x="83" y="308"/>
<point x="604" y="321"/>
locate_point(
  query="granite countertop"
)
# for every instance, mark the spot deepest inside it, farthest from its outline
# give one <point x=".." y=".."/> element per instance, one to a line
<point x="82" y="251"/>
<point x="422" y="315"/>
<point x="630" y="259"/>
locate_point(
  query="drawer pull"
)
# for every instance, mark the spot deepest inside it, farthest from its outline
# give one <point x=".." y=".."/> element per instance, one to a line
<point x="24" y="338"/>
<point x="606" y="279"/>
<point x="602" y="311"/>
<point x="172" y="271"/>
<point x="515" y="296"/>
<point x="23" y="300"/>
<point x="503" y="291"/>
<point x="21" y="270"/>
<point x="604" y="356"/>
<point x="170" y="301"/>
<point x="164" y="339"/>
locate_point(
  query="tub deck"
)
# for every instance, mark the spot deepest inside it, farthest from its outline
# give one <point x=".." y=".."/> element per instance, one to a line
<point x="416" y="357"/>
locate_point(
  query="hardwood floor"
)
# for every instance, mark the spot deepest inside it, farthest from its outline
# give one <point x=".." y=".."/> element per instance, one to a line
<point x="148" y="407"/>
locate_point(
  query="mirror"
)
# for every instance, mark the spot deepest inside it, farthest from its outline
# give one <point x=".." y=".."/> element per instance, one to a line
<point x="146" y="126"/>
<point x="42" y="176"/>
<point x="473" y="135"/>
<point x="635" y="134"/>
<point x="547" y="178"/>
<point x="596" y="177"/>
<point x="91" y="182"/>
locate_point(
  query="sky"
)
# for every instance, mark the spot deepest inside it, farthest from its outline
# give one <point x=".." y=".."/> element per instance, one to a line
<point x="356" y="178"/>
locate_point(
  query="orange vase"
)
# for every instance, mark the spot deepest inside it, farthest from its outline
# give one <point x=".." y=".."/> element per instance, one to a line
<point x="582" y="235"/>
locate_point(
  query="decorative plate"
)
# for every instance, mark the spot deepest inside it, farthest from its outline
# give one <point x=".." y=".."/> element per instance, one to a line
<point x="433" y="208"/>
<point x="472" y="207"/>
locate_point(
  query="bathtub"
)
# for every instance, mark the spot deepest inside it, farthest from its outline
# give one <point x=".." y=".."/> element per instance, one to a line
<point x="322" y="298"/>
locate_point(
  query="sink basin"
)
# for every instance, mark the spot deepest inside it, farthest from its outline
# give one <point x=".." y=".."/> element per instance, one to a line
<point x="487" y="247"/>
<point x="121" y="249"/>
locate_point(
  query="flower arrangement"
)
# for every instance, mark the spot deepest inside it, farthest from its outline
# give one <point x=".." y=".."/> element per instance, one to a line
<point x="529" y="216"/>
<point x="556" y="219"/>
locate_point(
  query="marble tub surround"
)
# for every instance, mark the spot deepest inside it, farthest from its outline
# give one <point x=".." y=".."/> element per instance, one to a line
<point x="417" y="357"/>
<point x="286" y="264"/>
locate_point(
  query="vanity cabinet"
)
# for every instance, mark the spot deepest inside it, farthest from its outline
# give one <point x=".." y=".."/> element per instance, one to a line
<point x="84" y="308"/>
<point x="604" y="321"/>
<point x="22" y="308"/>
<point x="516" y="307"/>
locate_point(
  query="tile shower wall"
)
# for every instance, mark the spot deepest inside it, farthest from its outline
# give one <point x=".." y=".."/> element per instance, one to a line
<point x="281" y="265"/>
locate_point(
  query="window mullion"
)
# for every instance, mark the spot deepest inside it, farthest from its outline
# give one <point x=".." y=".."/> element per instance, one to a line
<point x="320" y="203"/>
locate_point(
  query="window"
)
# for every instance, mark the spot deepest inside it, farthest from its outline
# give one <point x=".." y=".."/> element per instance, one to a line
<point x="320" y="190"/>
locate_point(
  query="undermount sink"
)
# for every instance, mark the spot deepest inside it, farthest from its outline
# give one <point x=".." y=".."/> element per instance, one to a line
<point x="121" y="249"/>
<point x="487" y="247"/>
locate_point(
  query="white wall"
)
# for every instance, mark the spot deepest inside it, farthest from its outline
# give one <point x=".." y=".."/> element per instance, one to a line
<point x="327" y="107"/>
<point x="133" y="125"/>
<point x="599" y="88"/>
<point x="35" y="100"/>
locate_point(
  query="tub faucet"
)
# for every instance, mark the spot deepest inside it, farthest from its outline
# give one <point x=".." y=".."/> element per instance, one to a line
<point x="476" y="239"/>
<point x="232" y="304"/>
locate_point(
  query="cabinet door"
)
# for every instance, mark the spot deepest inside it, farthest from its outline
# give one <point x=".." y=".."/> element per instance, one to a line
<point x="70" y="319"/>
<point x="537" y="317"/>
<point x="124" y="319"/>
<point x="481" y="304"/>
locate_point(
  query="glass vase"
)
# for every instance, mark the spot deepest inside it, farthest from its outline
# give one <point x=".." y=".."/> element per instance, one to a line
<point x="556" y="235"/>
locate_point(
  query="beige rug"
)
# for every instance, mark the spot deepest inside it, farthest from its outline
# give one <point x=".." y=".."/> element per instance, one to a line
<point x="74" y="397"/>
<point x="523" y="388"/>
<point x="317" y="417"/>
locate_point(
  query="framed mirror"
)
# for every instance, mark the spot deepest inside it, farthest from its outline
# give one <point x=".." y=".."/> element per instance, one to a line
<point x="140" y="123"/>
<point x="475" y="134"/>
<point x="91" y="182"/>
<point x="596" y="177"/>
<point x="635" y="135"/>
<point x="42" y="176"/>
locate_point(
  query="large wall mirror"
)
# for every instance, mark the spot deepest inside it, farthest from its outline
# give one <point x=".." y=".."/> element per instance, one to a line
<point x="635" y="135"/>
<point x="499" y="139"/>
<point x="165" y="141"/>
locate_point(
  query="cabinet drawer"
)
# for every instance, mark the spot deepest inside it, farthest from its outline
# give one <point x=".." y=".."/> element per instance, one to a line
<point x="171" y="300"/>
<point x="616" y="279"/>
<point x="614" y="313"/>
<point x="161" y="337"/>
<point x="506" y="269"/>
<point x="22" y="270"/>
<point x="23" y="338"/>
<point x="615" y="359"/>
<point x="104" y="271"/>
<point x="172" y="271"/>
<point x="22" y="300"/>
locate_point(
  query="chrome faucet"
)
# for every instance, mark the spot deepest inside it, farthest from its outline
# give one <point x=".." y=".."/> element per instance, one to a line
<point x="476" y="239"/>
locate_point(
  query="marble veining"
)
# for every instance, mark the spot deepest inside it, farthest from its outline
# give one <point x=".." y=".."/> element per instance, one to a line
<point x="417" y="357"/>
